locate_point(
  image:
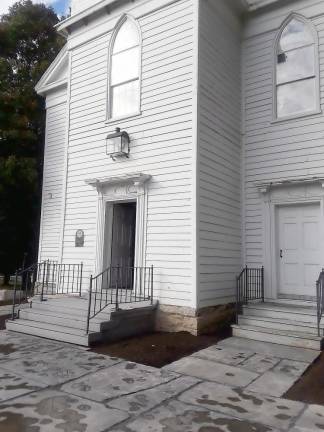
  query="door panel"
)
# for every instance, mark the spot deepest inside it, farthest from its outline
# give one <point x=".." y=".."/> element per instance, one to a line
<point x="123" y="244"/>
<point x="299" y="249"/>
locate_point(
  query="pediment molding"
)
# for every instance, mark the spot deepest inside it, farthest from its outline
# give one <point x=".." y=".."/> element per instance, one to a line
<point x="56" y="75"/>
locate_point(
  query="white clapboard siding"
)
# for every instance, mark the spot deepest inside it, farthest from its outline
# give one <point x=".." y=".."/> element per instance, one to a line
<point x="161" y="145"/>
<point x="219" y="242"/>
<point x="80" y="5"/>
<point x="274" y="151"/>
<point x="53" y="177"/>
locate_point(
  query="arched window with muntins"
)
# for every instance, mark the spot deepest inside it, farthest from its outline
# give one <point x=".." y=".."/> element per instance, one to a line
<point x="297" y="89"/>
<point x="124" y="82"/>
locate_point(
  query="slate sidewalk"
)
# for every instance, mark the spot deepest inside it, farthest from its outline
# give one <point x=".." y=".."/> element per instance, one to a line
<point x="233" y="386"/>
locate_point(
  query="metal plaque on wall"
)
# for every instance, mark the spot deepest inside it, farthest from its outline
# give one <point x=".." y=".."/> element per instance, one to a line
<point x="79" y="238"/>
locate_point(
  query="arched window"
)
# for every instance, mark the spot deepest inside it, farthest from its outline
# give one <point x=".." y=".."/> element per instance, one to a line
<point x="297" y="89"/>
<point x="124" y="82"/>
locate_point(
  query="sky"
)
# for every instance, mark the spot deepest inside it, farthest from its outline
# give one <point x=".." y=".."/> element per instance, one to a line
<point x="60" y="6"/>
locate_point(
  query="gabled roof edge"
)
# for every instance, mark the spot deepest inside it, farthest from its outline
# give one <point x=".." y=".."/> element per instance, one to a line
<point x="41" y="87"/>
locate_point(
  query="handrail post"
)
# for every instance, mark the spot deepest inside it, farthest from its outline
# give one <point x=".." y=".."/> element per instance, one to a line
<point x="318" y="307"/>
<point x="81" y="273"/>
<point x="43" y="282"/>
<point x="246" y="291"/>
<point x="117" y="292"/>
<point x="89" y="304"/>
<point x="14" y="296"/>
<point x="262" y="283"/>
<point x="151" y="284"/>
<point x="237" y="300"/>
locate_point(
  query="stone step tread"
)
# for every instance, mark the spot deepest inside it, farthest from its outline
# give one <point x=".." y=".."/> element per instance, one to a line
<point x="18" y="326"/>
<point x="294" y="334"/>
<point x="279" y="320"/>
<point x="81" y="305"/>
<point x="42" y="312"/>
<point x="65" y="321"/>
<point x="302" y="310"/>
<point x="52" y="327"/>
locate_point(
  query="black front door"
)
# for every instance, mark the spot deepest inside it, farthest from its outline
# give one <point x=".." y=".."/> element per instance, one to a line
<point x="123" y="244"/>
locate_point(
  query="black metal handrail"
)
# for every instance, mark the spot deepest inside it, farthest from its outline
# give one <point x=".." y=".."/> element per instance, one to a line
<point x="25" y="279"/>
<point x="119" y="285"/>
<point x="56" y="278"/>
<point x="249" y="287"/>
<point x="45" y="278"/>
<point x="320" y="300"/>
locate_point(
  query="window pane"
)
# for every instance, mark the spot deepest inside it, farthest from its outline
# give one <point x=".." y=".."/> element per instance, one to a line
<point x="127" y="36"/>
<point x="295" y="64"/>
<point x="125" y="66"/>
<point x="296" y="98"/>
<point x="295" y="34"/>
<point x="125" y="99"/>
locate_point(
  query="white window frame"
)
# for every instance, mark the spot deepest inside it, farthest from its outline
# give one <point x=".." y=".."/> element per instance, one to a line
<point x="314" y="32"/>
<point x="109" y="117"/>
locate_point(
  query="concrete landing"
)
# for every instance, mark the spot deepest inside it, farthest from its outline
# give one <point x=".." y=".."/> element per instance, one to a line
<point x="49" y="386"/>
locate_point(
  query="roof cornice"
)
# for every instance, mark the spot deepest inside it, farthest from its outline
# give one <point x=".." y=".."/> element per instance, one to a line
<point x="64" y="26"/>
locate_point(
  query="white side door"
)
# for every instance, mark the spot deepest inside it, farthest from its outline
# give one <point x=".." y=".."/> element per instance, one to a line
<point x="299" y="249"/>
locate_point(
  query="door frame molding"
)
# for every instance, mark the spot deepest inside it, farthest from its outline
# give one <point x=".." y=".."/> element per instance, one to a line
<point x="112" y="190"/>
<point x="274" y="197"/>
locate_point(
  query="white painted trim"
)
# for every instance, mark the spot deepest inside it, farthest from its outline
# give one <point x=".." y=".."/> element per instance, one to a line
<point x="41" y="231"/>
<point x="110" y="190"/>
<point x="195" y="161"/>
<point x="41" y="87"/>
<point x="66" y="161"/>
<point x="120" y="22"/>
<point x="243" y="156"/>
<point x="312" y="28"/>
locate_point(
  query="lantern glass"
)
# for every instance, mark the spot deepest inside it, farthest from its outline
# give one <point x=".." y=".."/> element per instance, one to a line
<point x="117" y="144"/>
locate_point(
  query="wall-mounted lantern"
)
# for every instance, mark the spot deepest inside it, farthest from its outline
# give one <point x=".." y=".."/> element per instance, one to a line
<point x="117" y="144"/>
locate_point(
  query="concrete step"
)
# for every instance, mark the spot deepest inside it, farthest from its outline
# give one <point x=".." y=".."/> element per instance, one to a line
<point x="281" y="337"/>
<point x="54" y="332"/>
<point x="278" y="324"/>
<point x="64" y="320"/>
<point x="305" y="314"/>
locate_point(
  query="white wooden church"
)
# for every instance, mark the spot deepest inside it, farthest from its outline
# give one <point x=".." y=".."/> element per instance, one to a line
<point x="183" y="171"/>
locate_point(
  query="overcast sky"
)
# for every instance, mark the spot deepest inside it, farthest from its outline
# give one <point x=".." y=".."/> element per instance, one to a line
<point x="61" y="6"/>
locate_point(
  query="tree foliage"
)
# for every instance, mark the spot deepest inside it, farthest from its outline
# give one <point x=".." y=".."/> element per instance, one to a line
<point x="28" y="44"/>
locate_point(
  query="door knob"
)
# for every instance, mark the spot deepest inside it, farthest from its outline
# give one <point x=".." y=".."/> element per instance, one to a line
<point x="280" y="253"/>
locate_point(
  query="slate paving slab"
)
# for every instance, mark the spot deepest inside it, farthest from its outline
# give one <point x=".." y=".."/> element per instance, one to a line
<point x="142" y="401"/>
<point x="274" y="412"/>
<point x="12" y="385"/>
<point x="229" y="356"/>
<point x="59" y="366"/>
<point x="272" y="384"/>
<point x="271" y="349"/>
<point x="279" y="380"/>
<point x="180" y="417"/>
<point x="118" y="380"/>
<point x="50" y="410"/>
<point x="291" y="368"/>
<point x="17" y="345"/>
<point x="260" y="363"/>
<point x="208" y="370"/>
<point x="312" y="419"/>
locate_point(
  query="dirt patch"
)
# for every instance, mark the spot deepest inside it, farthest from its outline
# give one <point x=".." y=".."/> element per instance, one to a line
<point x="310" y="387"/>
<point x="3" y="319"/>
<point x="159" y="349"/>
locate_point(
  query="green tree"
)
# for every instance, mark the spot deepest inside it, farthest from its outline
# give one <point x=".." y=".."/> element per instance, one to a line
<point x="28" y="44"/>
